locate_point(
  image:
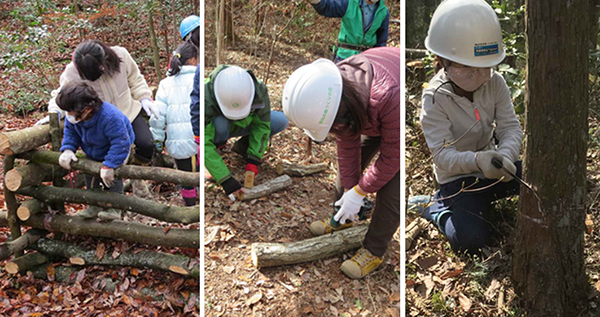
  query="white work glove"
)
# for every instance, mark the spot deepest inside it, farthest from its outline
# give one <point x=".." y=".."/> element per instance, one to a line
<point x="64" y="160"/>
<point x="313" y="1"/>
<point x="351" y="202"/>
<point x="484" y="162"/>
<point x="108" y="176"/>
<point x="150" y="108"/>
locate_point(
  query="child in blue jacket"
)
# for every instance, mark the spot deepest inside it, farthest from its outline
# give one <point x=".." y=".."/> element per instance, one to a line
<point x="104" y="134"/>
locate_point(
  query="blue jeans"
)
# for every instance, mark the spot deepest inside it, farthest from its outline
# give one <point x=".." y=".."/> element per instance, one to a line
<point x="278" y="123"/>
<point x="464" y="218"/>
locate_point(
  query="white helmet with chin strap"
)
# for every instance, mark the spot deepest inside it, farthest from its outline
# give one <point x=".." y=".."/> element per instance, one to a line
<point x="466" y="32"/>
<point x="234" y="90"/>
<point x="311" y="97"/>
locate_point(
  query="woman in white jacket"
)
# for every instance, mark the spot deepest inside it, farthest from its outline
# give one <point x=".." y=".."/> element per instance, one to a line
<point x="173" y="102"/>
<point x="469" y="124"/>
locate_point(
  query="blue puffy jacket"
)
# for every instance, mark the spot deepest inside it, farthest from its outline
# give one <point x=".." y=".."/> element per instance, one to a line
<point x="106" y="137"/>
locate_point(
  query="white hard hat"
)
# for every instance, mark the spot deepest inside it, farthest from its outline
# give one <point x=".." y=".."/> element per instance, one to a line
<point x="234" y="90"/>
<point x="311" y="97"/>
<point x="467" y="32"/>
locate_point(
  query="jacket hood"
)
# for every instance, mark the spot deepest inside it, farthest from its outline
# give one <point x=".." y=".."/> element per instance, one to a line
<point x="357" y="70"/>
<point x="441" y="82"/>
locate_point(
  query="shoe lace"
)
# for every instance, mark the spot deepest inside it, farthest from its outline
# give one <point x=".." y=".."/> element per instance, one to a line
<point x="363" y="258"/>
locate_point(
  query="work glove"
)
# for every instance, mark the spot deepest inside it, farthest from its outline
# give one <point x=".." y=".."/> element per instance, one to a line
<point x="46" y="120"/>
<point x="108" y="176"/>
<point x="64" y="160"/>
<point x="158" y="146"/>
<point x="350" y="204"/>
<point x="313" y="1"/>
<point x="484" y="163"/>
<point x="230" y="186"/>
<point x="150" y="108"/>
<point x="197" y="139"/>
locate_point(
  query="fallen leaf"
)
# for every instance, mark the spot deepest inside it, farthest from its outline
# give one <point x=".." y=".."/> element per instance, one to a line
<point x="50" y="272"/>
<point x="395" y="297"/>
<point x="80" y="276"/>
<point x="451" y="274"/>
<point x="465" y="302"/>
<point x="134" y="271"/>
<point x="228" y="269"/>
<point x="427" y="262"/>
<point x="254" y="299"/>
<point x="100" y="248"/>
<point x="167" y="228"/>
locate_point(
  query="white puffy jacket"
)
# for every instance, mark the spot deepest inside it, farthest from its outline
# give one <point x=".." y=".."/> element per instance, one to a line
<point x="173" y="101"/>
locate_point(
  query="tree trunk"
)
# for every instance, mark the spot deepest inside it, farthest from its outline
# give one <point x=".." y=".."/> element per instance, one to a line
<point x="26" y="262"/>
<point x="220" y="30"/>
<point x="548" y="259"/>
<point x="11" y="202"/>
<point x="153" y="43"/>
<point x="145" y="207"/>
<point x="20" y="141"/>
<point x="21" y="243"/>
<point x="145" y="259"/>
<point x="56" y="139"/>
<point x="31" y="174"/>
<point x="267" y="188"/>
<point x="165" y="25"/>
<point x="29" y="208"/>
<point x="228" y="21"/>
<point x="157" y="174"/>
<point x="299" y="169"/>
<point x="328" y="245"/>
<point x="128" y="231"/>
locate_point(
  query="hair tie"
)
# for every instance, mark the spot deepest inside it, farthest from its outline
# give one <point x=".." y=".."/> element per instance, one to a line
<point x="175" y="53"/>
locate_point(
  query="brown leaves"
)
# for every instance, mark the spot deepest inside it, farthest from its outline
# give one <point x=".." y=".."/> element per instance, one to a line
<point x="254" y="299"/>
<point x="100" y="248"/>
<point x="465" y="302"/>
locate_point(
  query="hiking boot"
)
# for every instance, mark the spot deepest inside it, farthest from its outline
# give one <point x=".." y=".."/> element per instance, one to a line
<point x="90" y="212"/>
<point x="361" y="264"/>
<point x="321" y="227"/>
<point x="139" y="187"/>
<point x="241" y="146"/>
<point x="109" y="214"/>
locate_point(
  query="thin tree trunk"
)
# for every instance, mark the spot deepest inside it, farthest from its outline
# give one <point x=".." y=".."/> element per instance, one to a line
<point x="128" y="231"/>
<point x="277" y="254"/>
<point x="21" y="141"/>
<point x="25" y="262"/>
<point x="220" y="30"/>
<point x="548" y="259"/>
<point x="267" y="188"/>
<point x="29" y="208"/>
<point x="145" y="259"/>
<point x="153" y="43"/>
<point x="31" y="174"/>
<point x="21" y="243"/>
<point x="168" y="213"/>
<point x="165" y="26"/>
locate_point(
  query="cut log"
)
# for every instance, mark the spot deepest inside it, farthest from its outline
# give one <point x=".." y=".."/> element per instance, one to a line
<point x="293" y="169"/>
<point x="157" y="174"/>
<point x="11" y="202"/>
<point x="276" y="254"/>
<point x="267" y="188"/>
<point x="31" y="174"/>
<point x="145" y="207"/>
<point x="16" y="142"/>
<point x="28" y="208"/>
<point x="12" y="247"/>
<point x="413" y="230"/>
<point x="26" y="262"/>
<point x="146" y="259"/>
<point x="128" y="231"/>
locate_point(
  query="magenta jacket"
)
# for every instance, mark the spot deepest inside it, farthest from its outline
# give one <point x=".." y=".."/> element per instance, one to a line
<point x="376" y="72"/>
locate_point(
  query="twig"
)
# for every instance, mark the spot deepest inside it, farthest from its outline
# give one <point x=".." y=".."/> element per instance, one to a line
<point x="371" y="296"/>
<point x="454" y="142"/>
<point x="275" y="38"/>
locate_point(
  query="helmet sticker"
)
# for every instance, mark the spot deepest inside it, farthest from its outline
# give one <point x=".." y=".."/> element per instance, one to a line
<point x="235" y="105"/>
<point x="486" y="49"/>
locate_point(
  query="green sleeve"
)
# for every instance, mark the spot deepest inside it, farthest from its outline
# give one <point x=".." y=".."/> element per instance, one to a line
<point x="260" y="127"/>
<point x="212" y="160"/>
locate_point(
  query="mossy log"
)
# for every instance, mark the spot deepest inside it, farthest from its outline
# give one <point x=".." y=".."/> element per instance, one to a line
<point x="21" y="243"/>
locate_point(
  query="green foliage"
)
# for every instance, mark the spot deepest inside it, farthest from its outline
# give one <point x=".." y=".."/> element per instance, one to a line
<point x="438" y="303"/>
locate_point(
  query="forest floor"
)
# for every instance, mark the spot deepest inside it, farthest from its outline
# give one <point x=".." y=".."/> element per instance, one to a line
<point x="233" y="286"/>
<point x="95" y="290"/>
<point x="441" y="283"/>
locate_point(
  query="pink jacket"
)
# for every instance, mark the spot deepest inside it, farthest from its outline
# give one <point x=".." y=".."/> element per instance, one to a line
<point x="376" y="72"/>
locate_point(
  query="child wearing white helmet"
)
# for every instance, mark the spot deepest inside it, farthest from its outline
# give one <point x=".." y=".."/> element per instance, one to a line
<point x="236" y="104"/>
<point x="358" y="100"/>
<point x="469" y="124"/>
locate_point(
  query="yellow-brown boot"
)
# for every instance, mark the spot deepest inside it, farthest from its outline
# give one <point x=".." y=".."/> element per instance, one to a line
<point x="361" y="264"/>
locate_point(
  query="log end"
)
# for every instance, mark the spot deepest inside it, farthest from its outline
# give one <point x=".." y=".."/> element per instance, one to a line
<point x="5" y="145"/>
<point x="178" y="269"/>
<point x="23" y="213"/>
<point x="254" y="256"/>
<point x="77" y="261"/>
<point x="11" y="268"/>
<point x="13" y="180"/>
<point x="279" y="168"/>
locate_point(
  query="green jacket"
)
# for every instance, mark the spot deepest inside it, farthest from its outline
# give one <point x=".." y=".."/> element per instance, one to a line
<point x="352" y="31"/>
<point x="259" y="121"/>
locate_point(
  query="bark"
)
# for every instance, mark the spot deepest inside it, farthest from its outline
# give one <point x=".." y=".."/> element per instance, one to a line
<point x="168" y="213"/>
<point x="267" y="188"/>
<point x="299" y="169"/>
<point x="413" y="230"/>
<point x="153" y="43"/>
<point x="20" y="141"/>
<point x="146" y="259"/>
<point x="30" y="175"/>
<point x="26" y="262"/>
<point x="548" y="260"/>
<point x="128" y="231"/>
<point x="11" y="202"/>
<point x="276" y="254"/>
<point x="29" y="238"/>
<point x="157" y="174"/>
<point x="220" y="29"/>
<point x="29" y="208"/>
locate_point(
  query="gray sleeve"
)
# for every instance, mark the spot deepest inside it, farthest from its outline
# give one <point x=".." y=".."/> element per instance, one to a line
<point x="508" y="127"/>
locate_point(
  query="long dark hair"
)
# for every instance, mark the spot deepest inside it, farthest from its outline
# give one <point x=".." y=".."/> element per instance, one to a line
<point x="182" y="54"/>
<point x="194" y="37"/>
<point x="352" y="114"/>
<point x="94" y="58"/>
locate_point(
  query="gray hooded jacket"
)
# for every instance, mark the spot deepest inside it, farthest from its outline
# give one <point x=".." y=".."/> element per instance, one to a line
<point x="451" y="116"/>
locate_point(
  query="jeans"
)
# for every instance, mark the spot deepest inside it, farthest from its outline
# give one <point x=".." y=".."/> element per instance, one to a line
<point x="278" y="123"/>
